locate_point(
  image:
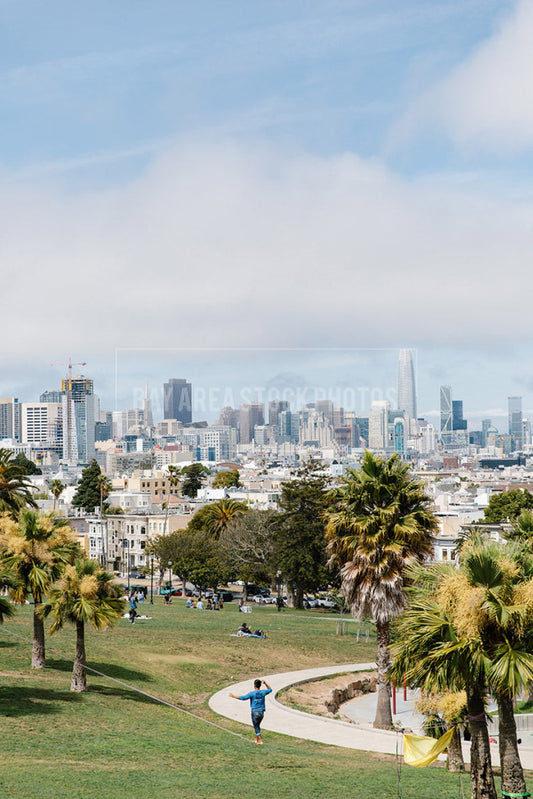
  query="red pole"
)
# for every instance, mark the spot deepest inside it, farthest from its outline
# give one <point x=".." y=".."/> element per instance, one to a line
<point x="394" y="697"/>
<point x="404" y="690"/>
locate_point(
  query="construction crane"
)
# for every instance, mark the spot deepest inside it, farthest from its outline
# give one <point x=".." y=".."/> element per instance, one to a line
<point x="67" y="428"/>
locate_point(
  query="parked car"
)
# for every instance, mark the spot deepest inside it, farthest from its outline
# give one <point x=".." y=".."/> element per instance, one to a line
<point x="310" y="602"/>
<point x="327" y="602"/>
<point x="264" y="599"/>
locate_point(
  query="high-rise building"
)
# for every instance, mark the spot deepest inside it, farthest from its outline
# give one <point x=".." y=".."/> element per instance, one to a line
<point x="275" y="407"/>
<point x="515" y="422"/>
<point x="406" y="384"/>
<point x="446" y="410"/>
<point x="250" y="415"/>
<point x="148" y="416"/>
<point x="177" y="399"/>
<point x="229" y="417"/>
<point x="10" y="419"/>
<point x="378" y="426"/>
<point x="80" y="411"/>
<point x="458" y="423"/>
<point x="42" y="425"/>
<point x="485" y="424"/>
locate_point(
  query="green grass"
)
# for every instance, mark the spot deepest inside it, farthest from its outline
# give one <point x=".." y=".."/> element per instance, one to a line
<point x="114" y="742"/>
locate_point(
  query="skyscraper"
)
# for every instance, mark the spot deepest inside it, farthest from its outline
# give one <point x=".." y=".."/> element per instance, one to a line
<point x="148" y="416"/>
<point x="406" y="384"/>
<point x="80" y="410"/>
<point x="177" y="397"/>
<point x="446" y="411"/>
<point x="250" y="415"/>
<point x="515" y="421"/>
<point x="10" y="418"/>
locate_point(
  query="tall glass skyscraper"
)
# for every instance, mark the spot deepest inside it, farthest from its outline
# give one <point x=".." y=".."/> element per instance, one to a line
<point x="515" y="421"/>
<point x="177" y="398"/>
<point x="406" y="384"/>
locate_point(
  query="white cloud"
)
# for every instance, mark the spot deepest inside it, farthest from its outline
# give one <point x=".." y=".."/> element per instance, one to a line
<point x="486" y="102"/>
<point x="227" y="246"/>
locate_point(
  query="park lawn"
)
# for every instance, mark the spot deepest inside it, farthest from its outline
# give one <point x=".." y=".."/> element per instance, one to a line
<point x="116" y="742"/>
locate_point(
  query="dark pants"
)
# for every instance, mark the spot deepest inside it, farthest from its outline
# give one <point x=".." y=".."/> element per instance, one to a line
<point x="257" y="718"/>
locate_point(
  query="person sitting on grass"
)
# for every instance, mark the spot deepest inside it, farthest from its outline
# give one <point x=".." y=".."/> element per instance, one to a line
<point x="244" y="629"/>
<point x="257" y="705"/>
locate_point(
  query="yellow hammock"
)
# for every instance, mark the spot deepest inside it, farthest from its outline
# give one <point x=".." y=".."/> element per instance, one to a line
<point x="421" y="751"/>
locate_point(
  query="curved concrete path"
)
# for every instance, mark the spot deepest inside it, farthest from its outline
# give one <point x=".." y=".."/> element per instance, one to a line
<point x="358" y="735"/>
<point x="286" y="720"/>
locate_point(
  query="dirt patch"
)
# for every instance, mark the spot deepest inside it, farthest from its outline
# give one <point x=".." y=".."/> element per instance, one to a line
<point x="311" y="697"/>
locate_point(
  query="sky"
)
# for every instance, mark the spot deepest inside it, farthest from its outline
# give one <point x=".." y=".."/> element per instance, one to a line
<point x="268" y="194"/>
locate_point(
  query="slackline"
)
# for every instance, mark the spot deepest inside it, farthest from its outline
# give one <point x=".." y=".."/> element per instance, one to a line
<point x="133" y="688"/>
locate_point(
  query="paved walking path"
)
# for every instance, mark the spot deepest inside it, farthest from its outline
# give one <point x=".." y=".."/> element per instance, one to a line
<point x="359" y="735"/>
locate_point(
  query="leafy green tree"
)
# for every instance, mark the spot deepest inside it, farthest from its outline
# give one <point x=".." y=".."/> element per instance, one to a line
<point x="35" y="549"/>
<point x="227" y="479"/>
<point x="380" y="520"/>
<point x="508" y="505"/>
<point x="249" y="543"/>
<point x="15" y="487"/>
<point x="299" y="546"/>
<point x="56" y="489"/>
<point x="195" y="476"/>
<point x="88" y="495"/>
<point x="165" y="548"/>
<point x="201" y="559"/>
<point x="84" y="594"/>
<point x="173" y="477"/>
<point x="25" y="463"/>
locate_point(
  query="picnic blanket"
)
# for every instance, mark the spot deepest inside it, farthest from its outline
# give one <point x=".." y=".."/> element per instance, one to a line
<point x="246" y="635"/>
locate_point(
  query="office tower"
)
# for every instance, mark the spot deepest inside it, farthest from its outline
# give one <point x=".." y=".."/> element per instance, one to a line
<point x="378" y="426"/>
<point x="130" y="421"/>
<point x="316" y="431"/>
<point x="458" y="423"/>
<point x="275" y="407"/>
<point x="515" y="421"/>
<point x="446" y="411"/>
<point x="485" y="424"/>
<point x="229" y="417"/>
<point x="289" y="426"/>
<point x="325" y="407"/>
<point x="10" y="419"/>
<point x="177" y="398"/>
<point x="51" y="396"/>
<point x="42" y="425"/>
<point x="406" y="384"/>
<point x="148" y="416"/>
<point x="80" y="410"/>
<point x="250" y="415"/>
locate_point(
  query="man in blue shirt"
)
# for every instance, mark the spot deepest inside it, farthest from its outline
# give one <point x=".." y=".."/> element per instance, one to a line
<point x="257" y="705"/>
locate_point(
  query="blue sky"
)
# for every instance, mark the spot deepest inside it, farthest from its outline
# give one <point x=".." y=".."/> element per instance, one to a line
<point x="323" y="175"/>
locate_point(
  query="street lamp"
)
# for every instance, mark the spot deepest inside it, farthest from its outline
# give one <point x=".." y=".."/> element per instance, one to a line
<point x="151" y="579"/>
<point x="279" y="599"/>
<point x="128" y="545"/>
<point x="169" y="581"/>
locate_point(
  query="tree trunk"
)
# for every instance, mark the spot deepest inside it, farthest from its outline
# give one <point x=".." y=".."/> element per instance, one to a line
<point x="383" y="720"/>
<point x="38" y="651"/>
<point x="79" y="674"/>
<point x="481" y="775"/>
<point x="512" y="775"/>
<point x="529" y="692"/>
<point x="455" y="753"/>
<point x="295" y="596"/>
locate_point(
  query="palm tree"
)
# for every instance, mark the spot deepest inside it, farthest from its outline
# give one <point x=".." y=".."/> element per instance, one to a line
<point x="430" y="649"/>
<point x="84" y="594"/>
<point x="503" y="579"/>
<point x="35" y="548"/>
<point x="173" y="478"/>
<point x="379" y="522"/>
<point x="218" y="515"/>
<point x="57" y="488"/>
<point x="6" y="608"/>
<point x="15" y="486"/>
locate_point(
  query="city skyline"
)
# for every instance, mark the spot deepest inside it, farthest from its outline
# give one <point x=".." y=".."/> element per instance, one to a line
<point x="277" y="175"/>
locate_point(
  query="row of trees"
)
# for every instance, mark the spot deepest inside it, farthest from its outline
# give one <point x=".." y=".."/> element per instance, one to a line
<point x="41" y="560"/>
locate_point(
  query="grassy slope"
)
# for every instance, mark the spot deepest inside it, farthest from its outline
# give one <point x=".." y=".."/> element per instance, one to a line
<point x="112" y="741"/>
